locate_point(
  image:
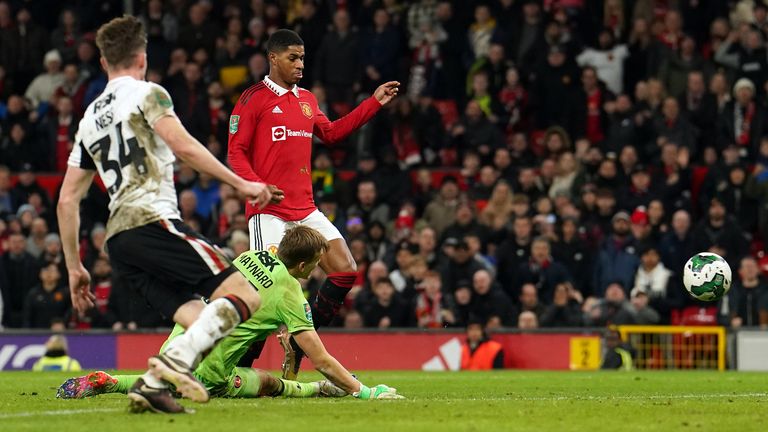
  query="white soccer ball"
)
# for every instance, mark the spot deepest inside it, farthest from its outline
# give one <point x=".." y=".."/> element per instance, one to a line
<point x="707" y="276"/>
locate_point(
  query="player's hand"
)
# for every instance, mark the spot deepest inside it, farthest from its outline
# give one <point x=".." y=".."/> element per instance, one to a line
<point x="386" y="92"/>
<point x="257" y="193"/>
<point x="380" y="391"/>
<point x="277" y="194"/>
<point x="80" y="289"/>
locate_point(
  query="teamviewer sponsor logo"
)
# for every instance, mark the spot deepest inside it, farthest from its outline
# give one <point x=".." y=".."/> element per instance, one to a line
<point x="278" y="133"/>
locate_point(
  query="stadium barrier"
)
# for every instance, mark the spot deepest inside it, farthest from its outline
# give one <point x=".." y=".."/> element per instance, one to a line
<point x="434" y="350"/>
<point x="676" y="347"/>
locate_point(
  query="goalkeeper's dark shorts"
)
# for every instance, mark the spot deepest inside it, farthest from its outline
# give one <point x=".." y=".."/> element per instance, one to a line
<point x="167" y="263"/>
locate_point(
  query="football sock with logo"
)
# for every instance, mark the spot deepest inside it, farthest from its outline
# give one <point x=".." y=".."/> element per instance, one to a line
<point x="330" y="297"/>
<point x="216" y="320"/>
<point x="295" y="389"/>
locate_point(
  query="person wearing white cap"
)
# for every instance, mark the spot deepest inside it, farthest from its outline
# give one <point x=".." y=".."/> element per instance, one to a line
<point x="42" y="87"/>
<point x="743" y="121"/>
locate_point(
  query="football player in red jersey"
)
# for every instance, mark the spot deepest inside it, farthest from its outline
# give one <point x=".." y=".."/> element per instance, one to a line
<point x="270" y="141"/>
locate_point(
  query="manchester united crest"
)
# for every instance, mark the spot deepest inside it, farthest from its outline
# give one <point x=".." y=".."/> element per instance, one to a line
<point x="306" y="109"/>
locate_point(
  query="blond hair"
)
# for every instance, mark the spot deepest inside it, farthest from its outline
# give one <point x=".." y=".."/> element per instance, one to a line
<point x="300" y="244"/>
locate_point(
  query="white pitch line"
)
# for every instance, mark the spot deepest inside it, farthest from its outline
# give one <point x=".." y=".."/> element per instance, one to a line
<point x="56" y="412"/>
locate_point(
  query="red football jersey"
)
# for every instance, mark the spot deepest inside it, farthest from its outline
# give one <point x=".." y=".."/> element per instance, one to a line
<point x="270" y="141"/>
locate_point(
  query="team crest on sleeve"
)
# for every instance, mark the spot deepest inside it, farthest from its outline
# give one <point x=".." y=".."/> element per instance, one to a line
<point x="308" y="311"/>
<point x="234" y="122"/>
<point x="306" y="109"/>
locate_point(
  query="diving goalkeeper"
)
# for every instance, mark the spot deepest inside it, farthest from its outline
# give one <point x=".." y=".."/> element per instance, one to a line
<point x="282" y="303"/>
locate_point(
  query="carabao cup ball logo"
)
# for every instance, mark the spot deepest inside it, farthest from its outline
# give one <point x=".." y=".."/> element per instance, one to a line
<point x="707" y="276"/>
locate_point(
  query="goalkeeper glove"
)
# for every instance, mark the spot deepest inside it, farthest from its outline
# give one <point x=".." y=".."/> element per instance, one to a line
<point x="380" y="391"/>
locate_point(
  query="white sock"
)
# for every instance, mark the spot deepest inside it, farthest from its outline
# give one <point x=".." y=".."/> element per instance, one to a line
<point x="153" y="382"/>
<point x="216" y="320"/>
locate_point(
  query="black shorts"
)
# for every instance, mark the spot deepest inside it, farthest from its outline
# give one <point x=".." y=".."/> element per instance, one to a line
<point x="167" y="263"/>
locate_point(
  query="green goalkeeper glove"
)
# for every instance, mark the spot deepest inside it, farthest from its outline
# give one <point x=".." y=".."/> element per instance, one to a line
<point x="380" y="391"/>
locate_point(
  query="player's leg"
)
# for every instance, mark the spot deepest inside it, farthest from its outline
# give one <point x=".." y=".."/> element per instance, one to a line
<point x="171" y="264"/>
<point x="341" y="271"/>
<point x="339" y="266"/>
<point x="253" y="383"/>
<point x="94" y="384"/>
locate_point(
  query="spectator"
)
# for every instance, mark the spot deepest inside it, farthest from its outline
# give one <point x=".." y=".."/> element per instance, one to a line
<point x="36" y="239"/>
<point x="614" y="309"/>
<point x="574" y="254"/>
<point x="434" y="308"/>
<point x="460" y="265"/>
<point x="554" y="80"/>
<point x="199" y="32"/>
<point x="7" y="200"/>
<point x="616" y="259"/>
<point x="674" y="128"/>
<point x="527" y="321"/>
<point x="678" y="64"/>
<point x="490" y="301"/>
<point x="441" y="211"/>
<point x="748" y="58"/>
<point x="513" y="252"/>
<point x="479" y="352"/>
<point x="645" y="314"/>
<point x="64" y="37"/>
<point x="757" y="189"/>
<point x="380" y="50"/>
<point x="191" y="100"/>
<point x="699" y="106"/>
<point x="742" y="121"/>
<point x="474" y="132"/>
<point x="607" y="59"/>
<point x="542" y="271"/>
<point x="21" y="273"/>
<point x="47" y="301"/>
<point x="23" y="48"/>
<point x="498" y="211"/>
<point x="59" y="136"/>
<point x="367" y="206"/>
<point x="188" y="208"/>
<point x="720" y="232"/>
<point x="528" y="299"/>
<point x="748" y="298"/>
<point x="56" y="357"/>
<point x="462" y="305"/>
<point x="565" y="310"/>
<point x="466" y="224"/>
<point x="385" y="310"/>
<point x="42" y="88"/>
<point x="337" y="60"/>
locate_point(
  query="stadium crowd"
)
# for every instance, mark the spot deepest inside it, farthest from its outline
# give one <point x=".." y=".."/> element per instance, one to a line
<point x="550" y="163"/>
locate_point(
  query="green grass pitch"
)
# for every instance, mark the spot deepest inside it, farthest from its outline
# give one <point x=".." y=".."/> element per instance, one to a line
<point x="466" y="401"/>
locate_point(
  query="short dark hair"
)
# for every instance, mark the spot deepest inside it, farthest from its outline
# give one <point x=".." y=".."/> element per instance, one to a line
<point x="120" y="40"/>
<point x="281" y="39"/>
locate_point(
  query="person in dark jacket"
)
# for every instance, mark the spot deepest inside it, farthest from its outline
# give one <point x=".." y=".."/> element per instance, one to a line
<point x="565" y="310"/>
<point x="542" y="270"/>
<point x="743" y="120"/>
<point x="489" y="301"/>
<point x="617" y="257"/>
<point x="386" y="309"/>
<point x="21" y="273"/>
<point x="337" y="60"/>
<point x="720" y="232"/>
<point x="48" y="301"/>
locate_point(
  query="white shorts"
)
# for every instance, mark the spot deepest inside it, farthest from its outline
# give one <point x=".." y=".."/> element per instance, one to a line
<point x="266" y="231"/>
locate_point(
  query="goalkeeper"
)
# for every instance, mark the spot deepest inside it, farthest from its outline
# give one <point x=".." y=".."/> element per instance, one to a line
<point x="282" y="302"/>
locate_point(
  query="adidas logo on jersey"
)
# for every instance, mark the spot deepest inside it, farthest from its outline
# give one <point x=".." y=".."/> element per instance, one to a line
<point x="277" y="110"/>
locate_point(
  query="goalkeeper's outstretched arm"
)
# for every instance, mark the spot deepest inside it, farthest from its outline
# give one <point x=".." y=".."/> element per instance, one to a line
<point x="326" y="364"/>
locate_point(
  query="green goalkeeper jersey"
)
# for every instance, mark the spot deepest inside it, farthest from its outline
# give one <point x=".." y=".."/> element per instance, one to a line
<point x="282" y="302"/>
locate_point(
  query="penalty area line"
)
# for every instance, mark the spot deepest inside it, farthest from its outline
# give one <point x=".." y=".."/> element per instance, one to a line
<point x="56" y="412"/>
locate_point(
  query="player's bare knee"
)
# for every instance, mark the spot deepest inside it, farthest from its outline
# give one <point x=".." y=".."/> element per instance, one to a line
<point x="237" y="285"/>
<point x="270" y="386"/>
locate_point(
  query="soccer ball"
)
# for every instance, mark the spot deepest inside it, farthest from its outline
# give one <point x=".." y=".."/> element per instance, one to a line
<point x="707" y="276"/>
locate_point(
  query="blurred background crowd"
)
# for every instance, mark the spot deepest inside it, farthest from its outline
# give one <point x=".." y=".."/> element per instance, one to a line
<point x="549" y="163"/>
